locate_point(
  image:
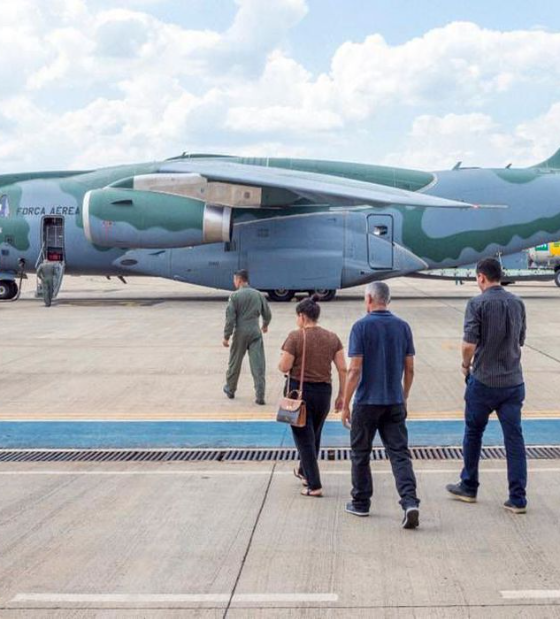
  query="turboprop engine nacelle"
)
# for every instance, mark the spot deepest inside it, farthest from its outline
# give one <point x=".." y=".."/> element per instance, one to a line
<point x="128" y="218"/>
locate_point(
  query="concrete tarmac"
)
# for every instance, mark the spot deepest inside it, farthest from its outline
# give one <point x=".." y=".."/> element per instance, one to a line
<point x="215" y="540"/>
<point x="237" y="540"/>
<point x="152" y="350"/>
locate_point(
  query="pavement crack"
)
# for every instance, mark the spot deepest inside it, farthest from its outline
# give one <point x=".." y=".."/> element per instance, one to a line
<point x="250" y="542"/>
<point x="550" y="357"/>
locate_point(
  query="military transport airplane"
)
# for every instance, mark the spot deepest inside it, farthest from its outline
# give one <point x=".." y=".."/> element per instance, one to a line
<point x="296" y="225"/>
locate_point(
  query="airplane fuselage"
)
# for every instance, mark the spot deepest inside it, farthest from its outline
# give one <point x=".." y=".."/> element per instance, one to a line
<point x="301" y="247"/>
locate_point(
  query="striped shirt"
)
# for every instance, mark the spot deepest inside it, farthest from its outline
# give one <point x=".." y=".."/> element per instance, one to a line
<point x="496" y="322"/>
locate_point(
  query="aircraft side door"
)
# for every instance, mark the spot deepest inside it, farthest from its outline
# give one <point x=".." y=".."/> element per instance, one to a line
<point x="52" y="238"/>
<point x="380" y="241"/>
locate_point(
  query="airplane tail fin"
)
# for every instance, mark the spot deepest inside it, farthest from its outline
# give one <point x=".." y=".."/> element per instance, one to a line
<point x="551" y="162"/>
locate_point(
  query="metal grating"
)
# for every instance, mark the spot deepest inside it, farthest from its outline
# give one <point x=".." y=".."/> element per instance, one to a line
<point x="424" y="453"/>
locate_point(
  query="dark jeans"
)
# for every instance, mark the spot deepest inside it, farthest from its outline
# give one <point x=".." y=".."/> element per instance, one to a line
<point x="317" y="397"/>
<point x="481" y="401"/>
<point x="390" y="421"/>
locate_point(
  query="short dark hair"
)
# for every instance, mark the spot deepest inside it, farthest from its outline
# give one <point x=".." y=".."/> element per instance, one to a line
<point x="242" y="274"/>
<point x="309" y="307"/>
<point x="491" y="268"/>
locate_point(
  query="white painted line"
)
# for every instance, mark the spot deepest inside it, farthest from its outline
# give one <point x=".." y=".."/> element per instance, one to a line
<point x="176" y="472"/>
<point x="120" y="598"/>
<point x="243" y="472"/>
<point x="292" y="597"/>
<point x="530" y="594"/>
<point x="135" y="599"/>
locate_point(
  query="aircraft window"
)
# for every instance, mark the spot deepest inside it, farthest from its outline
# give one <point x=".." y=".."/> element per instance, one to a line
<point x="4" y="206"/>
<point x="380" y="231"/>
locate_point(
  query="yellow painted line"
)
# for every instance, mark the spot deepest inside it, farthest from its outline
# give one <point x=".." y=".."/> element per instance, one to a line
<point x="230" y="416"/>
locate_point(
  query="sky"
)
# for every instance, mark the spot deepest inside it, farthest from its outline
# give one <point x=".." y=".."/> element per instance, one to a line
<point x="411" y="83"/>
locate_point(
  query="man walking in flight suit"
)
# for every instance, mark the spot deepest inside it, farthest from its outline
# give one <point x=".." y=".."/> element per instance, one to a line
<point x="47" y="272"/>
<point x="246" y="306"/>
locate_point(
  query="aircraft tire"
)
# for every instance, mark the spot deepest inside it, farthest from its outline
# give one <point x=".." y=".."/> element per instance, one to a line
<point x="557" y="277"/>
<point x="325" y="294"/>
<point x="8" y="289"/>
<point x="281" y="294"/>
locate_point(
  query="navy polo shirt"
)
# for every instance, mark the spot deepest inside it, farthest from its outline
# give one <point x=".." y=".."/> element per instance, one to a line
<point x="384" y="341"/>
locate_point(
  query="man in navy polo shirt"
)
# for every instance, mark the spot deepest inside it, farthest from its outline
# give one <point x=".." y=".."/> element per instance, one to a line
<point x="382" y="369"/>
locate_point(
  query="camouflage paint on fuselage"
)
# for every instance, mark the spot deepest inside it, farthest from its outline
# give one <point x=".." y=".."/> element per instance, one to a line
<point x="423" y="238"/>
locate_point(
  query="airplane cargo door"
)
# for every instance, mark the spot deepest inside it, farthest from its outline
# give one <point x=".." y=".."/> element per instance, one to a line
<point x="380" y="241"/>
<point x="295" y="253"/>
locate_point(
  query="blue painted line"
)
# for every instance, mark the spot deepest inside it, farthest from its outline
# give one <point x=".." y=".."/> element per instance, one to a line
<point x="87" y="435"/>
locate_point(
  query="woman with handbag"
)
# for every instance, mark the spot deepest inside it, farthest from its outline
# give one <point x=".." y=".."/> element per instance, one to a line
<point x="307" y="355"/>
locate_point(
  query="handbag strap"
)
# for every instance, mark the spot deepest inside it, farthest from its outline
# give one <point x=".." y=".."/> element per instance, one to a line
<point x="302" y="373"/>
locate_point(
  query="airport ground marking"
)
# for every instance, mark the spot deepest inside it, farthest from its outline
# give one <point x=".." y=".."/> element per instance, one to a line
<point x="245" y="472"/>
<point x="529" y="594"/>
<point x="84" y="598"/>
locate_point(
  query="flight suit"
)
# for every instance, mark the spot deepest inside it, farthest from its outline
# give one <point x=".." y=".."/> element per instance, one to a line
<point x="47" y="272"/>
<point x="245" y="307"/>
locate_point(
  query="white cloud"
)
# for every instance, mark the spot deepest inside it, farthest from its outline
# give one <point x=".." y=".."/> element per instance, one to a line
<point x="96" y="85"/>
<point x="476" y="139"/>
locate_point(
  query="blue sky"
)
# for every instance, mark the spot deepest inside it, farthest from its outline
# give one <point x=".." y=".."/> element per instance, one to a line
<point x="401" y="82"/>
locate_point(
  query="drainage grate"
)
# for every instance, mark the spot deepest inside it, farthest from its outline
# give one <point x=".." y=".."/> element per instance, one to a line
<point x="425" y="453"/>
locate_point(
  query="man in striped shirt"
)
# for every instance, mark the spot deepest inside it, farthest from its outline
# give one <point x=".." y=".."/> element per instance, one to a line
<point x="494" y="332"/>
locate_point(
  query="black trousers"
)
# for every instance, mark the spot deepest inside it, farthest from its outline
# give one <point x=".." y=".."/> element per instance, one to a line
<point x="317" y="397"/>
<point x="390" y="420"/>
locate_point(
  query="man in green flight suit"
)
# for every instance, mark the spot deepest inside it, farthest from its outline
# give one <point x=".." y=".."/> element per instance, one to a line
<point x="47" y="272"/>
<point x="246" y="305"/>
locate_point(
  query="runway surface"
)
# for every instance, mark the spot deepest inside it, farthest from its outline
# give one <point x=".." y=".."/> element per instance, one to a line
<point x="151" y="350"/>
<point x="237" y="540"/>
<point x="142" y="365"/>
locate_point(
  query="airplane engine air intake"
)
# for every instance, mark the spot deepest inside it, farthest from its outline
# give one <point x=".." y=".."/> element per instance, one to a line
<point x="127" y="218"/>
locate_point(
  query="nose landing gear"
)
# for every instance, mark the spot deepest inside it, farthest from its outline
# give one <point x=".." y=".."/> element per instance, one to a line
<point x="9" y="290"/>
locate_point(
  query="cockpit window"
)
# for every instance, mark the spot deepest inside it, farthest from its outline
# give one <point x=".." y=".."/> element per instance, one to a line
<point x="4" y="206"/>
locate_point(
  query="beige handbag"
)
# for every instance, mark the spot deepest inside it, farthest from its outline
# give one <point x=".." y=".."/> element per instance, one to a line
<point x="291" y="409"/>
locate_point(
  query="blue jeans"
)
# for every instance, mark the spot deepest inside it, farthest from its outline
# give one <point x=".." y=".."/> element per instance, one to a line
<point x="481" y="401"/>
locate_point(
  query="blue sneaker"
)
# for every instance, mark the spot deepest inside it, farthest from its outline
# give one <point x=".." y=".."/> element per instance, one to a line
<point x="411" y="519"/>
<point x="359" y="512"/>
<point x="459" y="492"/>
<point x="517" y="510"/>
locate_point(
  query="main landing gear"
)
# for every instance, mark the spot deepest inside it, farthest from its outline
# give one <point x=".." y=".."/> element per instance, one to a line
<point x="282" y="294"/>
<point x="325" y="294"/>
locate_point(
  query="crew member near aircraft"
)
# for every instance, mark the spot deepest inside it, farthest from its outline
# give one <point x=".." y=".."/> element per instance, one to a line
<point x="245" y="308"/>
<point x="47" y="272"/>
<point x="381" y="355"/>
<point x="494" y="332"/>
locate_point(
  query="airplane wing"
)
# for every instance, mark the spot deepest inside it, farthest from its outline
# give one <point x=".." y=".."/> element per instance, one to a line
<point x="320" y="188"/>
